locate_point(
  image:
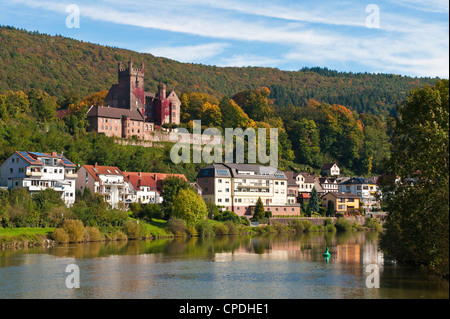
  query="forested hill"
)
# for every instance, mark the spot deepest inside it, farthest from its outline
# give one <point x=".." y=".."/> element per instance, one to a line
<point x="58" y="65"/>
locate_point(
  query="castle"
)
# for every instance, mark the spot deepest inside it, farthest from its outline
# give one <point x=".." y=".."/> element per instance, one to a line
<point x="130" y="111"/>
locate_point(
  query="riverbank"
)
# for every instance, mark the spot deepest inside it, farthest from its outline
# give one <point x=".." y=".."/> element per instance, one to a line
<point x="74" y="231"/>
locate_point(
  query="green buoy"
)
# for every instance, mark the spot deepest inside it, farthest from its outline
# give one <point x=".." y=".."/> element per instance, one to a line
<point x="326" y="253"/>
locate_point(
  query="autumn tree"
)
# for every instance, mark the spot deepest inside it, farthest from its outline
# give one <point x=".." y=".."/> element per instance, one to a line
<point x="416" y="195"/>
<point x="189" y="206"/>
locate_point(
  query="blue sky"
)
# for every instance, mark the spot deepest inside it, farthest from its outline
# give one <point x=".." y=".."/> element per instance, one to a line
<point x="412" y="37"/>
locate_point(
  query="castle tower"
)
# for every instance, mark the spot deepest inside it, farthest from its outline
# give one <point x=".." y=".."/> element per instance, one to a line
<point x="162" y="90"/>
<point x="130" y="91"/>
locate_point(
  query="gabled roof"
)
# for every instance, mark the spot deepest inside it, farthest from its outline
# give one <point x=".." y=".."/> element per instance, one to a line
<point x="34" y="158"/>
<point x="327" y="166"/>
<point x="114" y="113"/>
<point x="141" y="180"/>
<point x="342" y="195"/>
<point x="308" y="177"/>
<point x="95" y="171"/>
<point x="355" y="180"/>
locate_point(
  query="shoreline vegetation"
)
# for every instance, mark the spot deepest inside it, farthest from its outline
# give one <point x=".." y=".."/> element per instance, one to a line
<point x="73" y="231"/>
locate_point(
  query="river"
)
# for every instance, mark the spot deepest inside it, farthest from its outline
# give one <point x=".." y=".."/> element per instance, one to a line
<point x="237" y="267"/>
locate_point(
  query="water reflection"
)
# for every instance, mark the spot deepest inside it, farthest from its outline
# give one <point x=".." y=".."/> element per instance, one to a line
<point x="282" y="266"/>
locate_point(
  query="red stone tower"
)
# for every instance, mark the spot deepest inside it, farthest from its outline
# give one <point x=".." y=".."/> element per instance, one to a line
<point x="130" y="90"/>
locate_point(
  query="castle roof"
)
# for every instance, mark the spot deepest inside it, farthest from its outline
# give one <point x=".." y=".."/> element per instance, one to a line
<point x="114" y="113"/>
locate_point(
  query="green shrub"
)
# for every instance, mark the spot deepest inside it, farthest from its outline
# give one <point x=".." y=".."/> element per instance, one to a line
<point x="75" y="230"/>
<point x="244" y="221"/>
<point x="306" y="225"/>
<point x="280" y="228"/>
<point x="60" y="236"/>
<point x="191" y="231"/>
<point x="204" y="229"/>
<point x="330" y="228"/>
<point x="133" y="230"/>
<point x="232" y="229"/>
<point x="357" y="227"/>
<point x="297" y="226"/>
<point x="328" y="221"/>
<point x="92" y="234"/>
<point x="220" y="229"/>
<point x="342" y="225"/>
<point x="176" y="226"/>
<point x="373" y="224"/>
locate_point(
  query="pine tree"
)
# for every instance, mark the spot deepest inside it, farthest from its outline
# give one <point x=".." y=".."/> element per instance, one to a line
<point x="259" y="212"/>
<point x="314" y="201"/>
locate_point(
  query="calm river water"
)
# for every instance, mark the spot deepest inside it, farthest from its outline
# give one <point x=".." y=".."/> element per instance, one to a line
<point x="288" y="267"/>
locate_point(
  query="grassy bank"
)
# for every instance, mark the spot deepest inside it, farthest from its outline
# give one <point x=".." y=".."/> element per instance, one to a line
<point x="71" y="231"/>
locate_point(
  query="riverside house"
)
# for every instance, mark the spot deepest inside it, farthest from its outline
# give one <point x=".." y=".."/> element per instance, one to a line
<point x="343" y="202"/>
<point x="36" y="171"/>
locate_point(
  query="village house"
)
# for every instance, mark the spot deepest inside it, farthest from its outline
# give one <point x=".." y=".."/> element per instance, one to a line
<point x="328" y="184"/>
<point x="143" y="187"/>
<point x="361" y="187"/>
<point x="342" y="202"/>
<point x="237" y="188"/>
<point x="36" y="171"/>
<point x="108" y="181"/>
<point x="330" y="169"/>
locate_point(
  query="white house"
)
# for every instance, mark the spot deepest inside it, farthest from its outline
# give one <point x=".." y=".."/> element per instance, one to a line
<point x="331" y="169"/>
<point x="237" y="187"/>
<point x="108" y="181"/>
<point x="37" y="171"/>
<point x="143" y="187"/>
<point x="329" y="185"/>
<point x="305" y="181"/>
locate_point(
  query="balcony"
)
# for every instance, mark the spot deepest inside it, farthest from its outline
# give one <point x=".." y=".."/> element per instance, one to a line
<point x="34" y="174"/>
<point x="70" y="175"/>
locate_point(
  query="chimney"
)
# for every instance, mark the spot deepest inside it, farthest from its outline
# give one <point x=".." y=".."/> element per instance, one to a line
<point x="54" y="154"/>
<point x="140" y="175"/>
<point x="95" y="164"/>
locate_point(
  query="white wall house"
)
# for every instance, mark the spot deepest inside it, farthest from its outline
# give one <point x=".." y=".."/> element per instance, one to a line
<point x="331" y="169"/>
<point x="108" y="181"/>
<point x="238" y="186"/>
<point x="143" y="187"/>
<point x="305" y="182"/>
<point x="37" y="171"/>
<point x="328" y="185"/>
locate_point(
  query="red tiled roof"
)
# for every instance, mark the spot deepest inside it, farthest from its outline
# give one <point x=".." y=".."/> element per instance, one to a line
<point x="150" y="179"/>
<point x="95" y="170"/>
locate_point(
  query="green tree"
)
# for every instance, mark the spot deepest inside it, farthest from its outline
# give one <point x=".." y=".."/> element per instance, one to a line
<point x="259" y="212"/>
<point x="416" y="192"/>
<point x="47" y="199"/>
<point x="330" y="208"/>
<point x="314" y="201"/>
<point x="170" y="188"/>
<point x="189" y="206"/>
